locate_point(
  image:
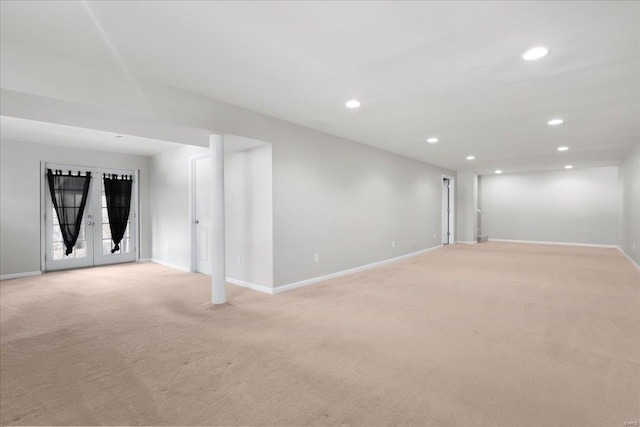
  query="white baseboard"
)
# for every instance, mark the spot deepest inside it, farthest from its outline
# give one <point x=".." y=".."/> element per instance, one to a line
<point x="170" y="265"/>
<point x="307" y="282"/>
<point x="18" y="275"/>
<point x="536" y="242"/>
<point x="260" y="288"/>
<point x="144" y="260"/>
<point x="466" y="243"/>
<point x="231" y="280"/>
<point x="589" y="245"/>
<point x="629" y="258"/>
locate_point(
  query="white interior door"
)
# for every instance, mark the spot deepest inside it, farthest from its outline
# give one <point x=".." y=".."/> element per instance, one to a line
<point x="94" y="243"/>
<point x="202" y="210"/>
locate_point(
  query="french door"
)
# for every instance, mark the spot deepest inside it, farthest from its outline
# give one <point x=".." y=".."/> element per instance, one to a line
<point x="94" y="243"/>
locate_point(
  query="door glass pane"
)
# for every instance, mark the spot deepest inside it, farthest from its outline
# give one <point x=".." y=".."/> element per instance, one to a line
<point x="58" y="249"/>
<point x="57" y="233"/>
<point x="80" y="249"/>
<point x="106" y="231"/>
<point x="106" y="246"/>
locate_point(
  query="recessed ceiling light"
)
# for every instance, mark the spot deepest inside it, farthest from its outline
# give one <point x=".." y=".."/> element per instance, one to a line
<point x="563" y="148"/>
<point x="498" y="171"/>
<point x="432" y="140"/>
<point x="120" y="136"/>
<point x="353" y="103"/>
<point x="471" y="157"/>
<point x="568" y="167"/>
<point x="555" y="122"/>
<point x="535" y="53"/>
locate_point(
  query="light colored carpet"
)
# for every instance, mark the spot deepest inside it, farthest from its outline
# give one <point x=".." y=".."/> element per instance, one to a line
<point x="486" y="335"/>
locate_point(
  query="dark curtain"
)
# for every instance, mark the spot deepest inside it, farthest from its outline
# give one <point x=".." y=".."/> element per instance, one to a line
<point x="69" y="196"/>
<point x="118" y="194"/>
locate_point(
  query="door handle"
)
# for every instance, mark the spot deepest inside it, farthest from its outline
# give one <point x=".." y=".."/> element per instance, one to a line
<point x="197" y="222"/>
<point x="90" y="223"/>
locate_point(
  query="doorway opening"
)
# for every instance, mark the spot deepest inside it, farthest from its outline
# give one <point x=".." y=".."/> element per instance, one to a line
<point x="448" y="216"/>
<point x="94" y="245"/>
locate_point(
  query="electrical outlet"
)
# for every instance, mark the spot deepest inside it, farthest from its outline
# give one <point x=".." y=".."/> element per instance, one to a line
<point x="393" y="244"/>
<point x="435" y="236"/>
<point x="239" y="259"/>
<point x="316" y="258"/>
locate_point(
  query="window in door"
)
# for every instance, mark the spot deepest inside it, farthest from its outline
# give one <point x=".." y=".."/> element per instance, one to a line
<point x="79" y="250"/>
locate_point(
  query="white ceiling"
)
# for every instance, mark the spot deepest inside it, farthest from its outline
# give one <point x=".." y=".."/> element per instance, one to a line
<point x="21" y="130"/>
<point x="446" y="69"/>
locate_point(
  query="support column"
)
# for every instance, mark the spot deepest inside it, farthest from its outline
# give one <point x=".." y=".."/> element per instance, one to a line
<point x="217" y="242"/>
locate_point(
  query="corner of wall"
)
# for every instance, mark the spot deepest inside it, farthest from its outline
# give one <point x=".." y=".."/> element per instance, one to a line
<point x="629" y="193"/>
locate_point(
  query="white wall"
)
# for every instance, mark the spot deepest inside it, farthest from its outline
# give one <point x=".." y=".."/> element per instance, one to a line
<point x="249" y="215"/>
<point x="467" y="207"/>
<point x="171" y="223"/>
<point x="347" y="202"/>
<point x="568" y="206"/>
<point x="630" y="205"/>
<point x="342" y="200"/>
<point x="248" y="211"/>
<point x="20" y="197"/>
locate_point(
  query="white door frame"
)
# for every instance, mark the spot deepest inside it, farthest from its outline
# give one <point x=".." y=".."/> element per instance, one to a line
<point x="192" y="209"/>
<point x="452" y="207"/>
<point x="44" y="191"/>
